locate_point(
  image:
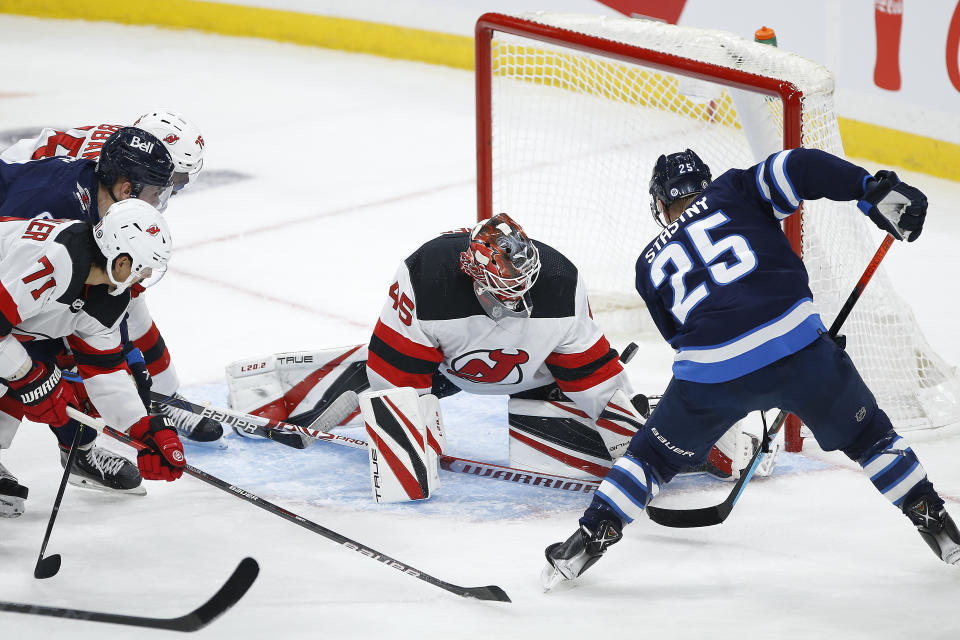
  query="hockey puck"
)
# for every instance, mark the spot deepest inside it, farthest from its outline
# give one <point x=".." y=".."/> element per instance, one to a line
<point x="629" y="351"/>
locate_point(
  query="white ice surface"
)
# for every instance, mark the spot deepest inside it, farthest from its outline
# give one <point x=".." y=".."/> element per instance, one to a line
<point x="352" y="162"/>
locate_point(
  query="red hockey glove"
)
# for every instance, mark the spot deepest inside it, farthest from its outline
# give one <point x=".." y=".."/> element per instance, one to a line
<point x="44" y="394"/>
<point x="164" y="460"/>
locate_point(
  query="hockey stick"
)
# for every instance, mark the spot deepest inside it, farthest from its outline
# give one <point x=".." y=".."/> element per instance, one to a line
<point x="709" y="516"/>
<point x="227" y="596"/>
<point x="49" y="566"/>
<point x="491" y="592"/>
<point x="264" y="426"/>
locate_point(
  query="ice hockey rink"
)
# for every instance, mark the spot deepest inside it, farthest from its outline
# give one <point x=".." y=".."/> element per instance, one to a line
<point x="322" y="171"/>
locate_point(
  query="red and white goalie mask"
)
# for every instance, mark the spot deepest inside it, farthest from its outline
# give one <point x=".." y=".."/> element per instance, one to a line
<point x="502" y="261"/>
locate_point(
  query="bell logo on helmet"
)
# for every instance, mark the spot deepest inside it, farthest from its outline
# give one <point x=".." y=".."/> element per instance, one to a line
<point x="143" y="145"/>
<point x="171" y="139"/>
<point x="153" y="230"/>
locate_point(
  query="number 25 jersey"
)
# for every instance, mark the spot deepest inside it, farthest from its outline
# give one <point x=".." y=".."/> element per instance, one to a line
<point x="722" y="283"/>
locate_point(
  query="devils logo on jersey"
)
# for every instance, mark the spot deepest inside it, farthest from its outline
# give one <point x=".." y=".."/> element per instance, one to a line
<point x="490" y="367"/>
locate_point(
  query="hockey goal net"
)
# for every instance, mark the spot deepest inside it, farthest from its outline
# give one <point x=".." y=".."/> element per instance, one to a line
<point x="572" y="112"/>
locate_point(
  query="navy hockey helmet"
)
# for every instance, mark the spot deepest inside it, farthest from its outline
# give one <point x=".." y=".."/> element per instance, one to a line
<point x="676" y="176"/>
<point x="141" y="158"/>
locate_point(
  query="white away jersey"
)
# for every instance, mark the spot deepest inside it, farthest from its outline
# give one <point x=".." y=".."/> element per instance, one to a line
<point x="44" y="265"/>
<point x="433" y="322"/>
<point x="81" y="142"/>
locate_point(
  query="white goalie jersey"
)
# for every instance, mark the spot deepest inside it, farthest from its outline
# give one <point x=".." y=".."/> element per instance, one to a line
<point x="432" y="323"/>
<point x="44" y="265"/>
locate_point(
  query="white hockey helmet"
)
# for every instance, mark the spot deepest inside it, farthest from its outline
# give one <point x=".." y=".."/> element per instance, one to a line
<point x="133" y="227"/>
<point x="181" y="138"/>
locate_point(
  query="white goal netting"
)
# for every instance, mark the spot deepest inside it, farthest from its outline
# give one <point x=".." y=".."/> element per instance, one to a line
<point x="574" y="135"/>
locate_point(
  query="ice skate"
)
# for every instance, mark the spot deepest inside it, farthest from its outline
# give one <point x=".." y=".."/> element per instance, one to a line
<point x="568" y="560"/>
<point x="12" y="495"/>
<point x="100" y="469"/>
<point x="190" y="425"/>
<point x="937" y="529"/>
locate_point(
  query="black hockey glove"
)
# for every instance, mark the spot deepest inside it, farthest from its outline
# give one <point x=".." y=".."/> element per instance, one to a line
<point x="894" y="206"/>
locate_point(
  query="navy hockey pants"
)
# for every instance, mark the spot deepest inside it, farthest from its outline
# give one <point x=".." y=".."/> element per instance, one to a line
<point x="818" y="383"/>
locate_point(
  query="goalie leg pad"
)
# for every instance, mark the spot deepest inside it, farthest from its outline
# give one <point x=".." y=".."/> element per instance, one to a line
<point x="554" y="436"/>
<point x="401" y="469"/>
<point x="296" y="386"/>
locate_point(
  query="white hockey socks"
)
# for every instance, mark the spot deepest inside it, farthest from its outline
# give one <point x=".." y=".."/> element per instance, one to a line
<point x="405" y="441"/>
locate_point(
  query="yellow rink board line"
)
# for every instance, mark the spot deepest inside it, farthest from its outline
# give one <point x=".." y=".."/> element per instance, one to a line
<point x="862" y="140"/>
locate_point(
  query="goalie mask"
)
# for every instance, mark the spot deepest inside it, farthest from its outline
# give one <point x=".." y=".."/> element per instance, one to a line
<point x="134" y="228"/>
<point x="676" y="176"/>
<point x="504" y="264"/>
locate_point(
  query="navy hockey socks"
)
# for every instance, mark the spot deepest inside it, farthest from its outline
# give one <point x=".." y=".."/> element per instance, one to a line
<point x="895" y="471"/>
<point x="625" y="491"/>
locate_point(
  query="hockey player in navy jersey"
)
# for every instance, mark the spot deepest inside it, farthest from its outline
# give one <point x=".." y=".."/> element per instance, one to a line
<point x="69" y="279"/>
<point x="731" y="297"/>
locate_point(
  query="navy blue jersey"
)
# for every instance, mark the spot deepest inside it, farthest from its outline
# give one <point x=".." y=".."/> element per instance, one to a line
<point x="722" y="283"/>
<point x="59" y="187"/>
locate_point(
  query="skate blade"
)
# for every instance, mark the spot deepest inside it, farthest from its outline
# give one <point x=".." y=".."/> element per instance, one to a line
<point x="11" y="507"/>
<point x="550" y="577"/>
<point x="86" y="483"/>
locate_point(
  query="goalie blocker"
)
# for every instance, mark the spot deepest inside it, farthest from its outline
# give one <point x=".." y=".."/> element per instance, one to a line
<point x="406" y="440"/>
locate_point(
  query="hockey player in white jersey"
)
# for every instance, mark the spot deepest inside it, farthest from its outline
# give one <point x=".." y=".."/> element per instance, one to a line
<point x="490" y="311"/>
<point x="180" y="136"/>
<point x="183" y="140"/>
<point x="66" y="279"/>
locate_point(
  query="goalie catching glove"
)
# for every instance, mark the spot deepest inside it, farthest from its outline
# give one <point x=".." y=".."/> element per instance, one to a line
<point x="164" y="460"/>
<point x="894" y="206"/>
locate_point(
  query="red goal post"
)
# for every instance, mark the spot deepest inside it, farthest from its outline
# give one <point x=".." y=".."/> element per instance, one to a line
<point x="573" y="110"/>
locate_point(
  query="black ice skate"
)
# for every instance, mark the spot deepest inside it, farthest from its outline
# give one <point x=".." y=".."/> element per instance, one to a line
<point x="937" y="528"/>
<point x="190" y="425"/>
<point x="12" y="495"/>
<point x="98" y="468"/>
<point x="567" y="560"/>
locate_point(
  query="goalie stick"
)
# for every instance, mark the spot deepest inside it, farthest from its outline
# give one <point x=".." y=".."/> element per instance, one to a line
<point x="272" y="428"/>
<point x="709" y="516"/>
<point x="491" y="592"/>
<point x="227" y="596"/>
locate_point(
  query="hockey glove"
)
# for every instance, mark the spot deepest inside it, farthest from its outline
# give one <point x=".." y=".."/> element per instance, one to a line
<point x="894" y="206"/>
<point x="44" y="395"/>
<point x="164" y="460"/>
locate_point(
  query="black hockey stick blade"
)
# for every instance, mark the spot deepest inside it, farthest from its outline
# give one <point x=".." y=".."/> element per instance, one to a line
<point x="701" y="517"/>
<point x="50" y="566"/>
<point x="47" y="567"/>
<point x="228" y="595"/>
<point x="492" y="592"/>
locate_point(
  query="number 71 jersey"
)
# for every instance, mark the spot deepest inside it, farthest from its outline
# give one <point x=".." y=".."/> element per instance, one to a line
<point x="722" y="282"/>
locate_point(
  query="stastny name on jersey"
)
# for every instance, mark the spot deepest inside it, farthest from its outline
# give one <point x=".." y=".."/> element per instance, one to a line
<point x="697" y="207"/>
